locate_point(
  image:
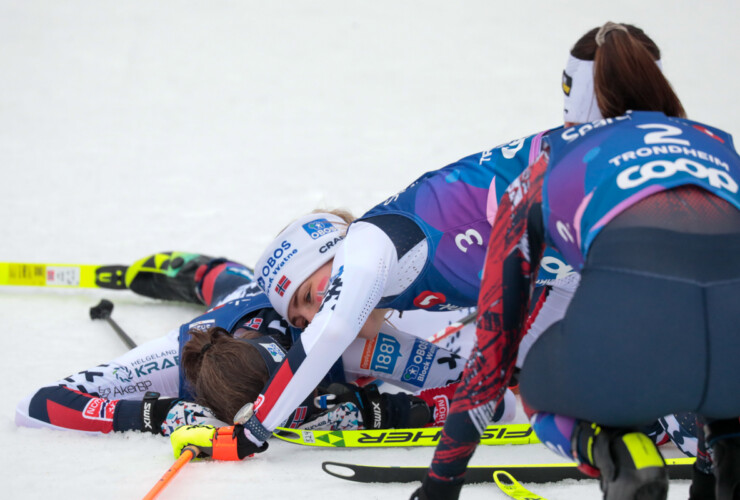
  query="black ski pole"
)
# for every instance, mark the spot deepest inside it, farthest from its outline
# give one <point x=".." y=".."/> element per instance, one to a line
<point x="103" y="311"/>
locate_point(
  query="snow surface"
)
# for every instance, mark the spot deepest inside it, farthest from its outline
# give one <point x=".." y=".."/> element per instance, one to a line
<point x="138" y="126"/>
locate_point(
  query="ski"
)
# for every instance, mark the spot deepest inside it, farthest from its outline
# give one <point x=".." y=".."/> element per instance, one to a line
<point x="511" y="487"/>
<point x="63" y="275"/>
<point x="383" y="438"/>
<point x="678" y="468"/>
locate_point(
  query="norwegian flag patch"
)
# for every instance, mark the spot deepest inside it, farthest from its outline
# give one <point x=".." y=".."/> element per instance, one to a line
<point x="282" y="285"/>
<point x="254" y="323"/>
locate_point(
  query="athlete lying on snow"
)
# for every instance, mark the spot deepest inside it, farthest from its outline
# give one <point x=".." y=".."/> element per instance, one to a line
<point x="237" y="344"/>
<point x="421" y="249"/>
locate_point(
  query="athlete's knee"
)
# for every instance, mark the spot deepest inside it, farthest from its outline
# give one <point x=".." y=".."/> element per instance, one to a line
<point x="220" y="278"/>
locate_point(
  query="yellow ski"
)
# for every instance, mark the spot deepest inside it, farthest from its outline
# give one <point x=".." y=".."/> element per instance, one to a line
<point x="62" y="275"/>
<point x="513" y="488"/>
<point x="425" y="436"/>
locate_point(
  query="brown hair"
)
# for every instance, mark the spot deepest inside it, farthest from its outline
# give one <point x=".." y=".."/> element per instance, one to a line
<point x="225" y="373"/>
<point x="625" y="74"/>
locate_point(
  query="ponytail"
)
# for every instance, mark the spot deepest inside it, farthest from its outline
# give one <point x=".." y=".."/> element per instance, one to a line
<point x="626" y="76"/>
<point x="225" y="373"/>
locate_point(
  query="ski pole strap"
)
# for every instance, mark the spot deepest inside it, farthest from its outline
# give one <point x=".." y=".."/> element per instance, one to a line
<point x="253" y="425"/>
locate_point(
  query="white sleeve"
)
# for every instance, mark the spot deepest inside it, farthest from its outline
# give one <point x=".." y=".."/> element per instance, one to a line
<point x="152" y="366"/>
<point x="359" y="275"/>
<point x="362" y="266"/>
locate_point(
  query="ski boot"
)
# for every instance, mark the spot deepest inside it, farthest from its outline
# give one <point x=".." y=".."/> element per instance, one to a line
<point x="629" y="463"/>
<point x="723" y="439"/>
<point x="170" y="276"/>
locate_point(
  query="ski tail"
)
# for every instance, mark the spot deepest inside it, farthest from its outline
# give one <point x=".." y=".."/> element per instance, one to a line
<point x="63" y="275"/>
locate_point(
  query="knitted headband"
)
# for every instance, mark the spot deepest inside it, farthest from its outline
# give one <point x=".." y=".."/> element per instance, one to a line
<point x="297" y="252"/>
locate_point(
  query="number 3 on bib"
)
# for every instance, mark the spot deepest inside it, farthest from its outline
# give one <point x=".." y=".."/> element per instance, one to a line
<point x="467" y="239"/>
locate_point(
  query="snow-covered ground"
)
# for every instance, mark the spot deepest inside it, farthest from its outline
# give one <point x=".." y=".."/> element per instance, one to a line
<point x="138" y="126"/>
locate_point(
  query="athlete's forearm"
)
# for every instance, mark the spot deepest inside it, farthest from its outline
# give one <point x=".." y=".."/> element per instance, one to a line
<point x="90" y="399"/>
<point x="60" y="407"/>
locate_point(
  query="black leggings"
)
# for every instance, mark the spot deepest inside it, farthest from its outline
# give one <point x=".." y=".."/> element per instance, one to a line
<point x="653" y="329"/>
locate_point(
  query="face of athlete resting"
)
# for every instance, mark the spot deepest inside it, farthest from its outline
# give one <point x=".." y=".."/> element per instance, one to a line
<point x="295" y="269"/>
<point x="306" y="301"/>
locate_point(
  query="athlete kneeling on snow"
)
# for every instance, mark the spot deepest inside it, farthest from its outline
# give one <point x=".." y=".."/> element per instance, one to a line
<point x="636" y="202"/>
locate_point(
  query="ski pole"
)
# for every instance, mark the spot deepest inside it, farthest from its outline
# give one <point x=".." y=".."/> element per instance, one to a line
<point x="188" y="453"/>
<point x="454" y="328"/>
<point x="103" y="311"/>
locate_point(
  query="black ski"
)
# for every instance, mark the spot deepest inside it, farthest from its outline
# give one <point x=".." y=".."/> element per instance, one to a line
<point x="678" y="468"/>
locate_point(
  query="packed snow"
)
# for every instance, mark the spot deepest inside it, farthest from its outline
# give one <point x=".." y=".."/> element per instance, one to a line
<point x="133" y="127"/>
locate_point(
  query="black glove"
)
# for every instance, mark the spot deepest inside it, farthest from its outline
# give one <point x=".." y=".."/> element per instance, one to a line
<point x="434" y="489"/>
<point x="406" y="411"/>
<point x="245" y="446"/>
<point x="154" y="411"/>
<point x="379" y="411"/>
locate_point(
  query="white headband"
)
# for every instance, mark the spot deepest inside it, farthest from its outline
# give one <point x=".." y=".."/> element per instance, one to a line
<point x="580" y="104"/>
<point x="297" y="252"/>
<point x="578" y="87"/>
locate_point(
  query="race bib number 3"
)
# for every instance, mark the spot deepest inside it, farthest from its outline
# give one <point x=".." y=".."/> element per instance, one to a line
<point x="387" y="351"/>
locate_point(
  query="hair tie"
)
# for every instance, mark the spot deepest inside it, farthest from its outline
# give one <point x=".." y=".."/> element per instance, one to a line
<point x="608" y="27"/>
<point x="206" y="347"/>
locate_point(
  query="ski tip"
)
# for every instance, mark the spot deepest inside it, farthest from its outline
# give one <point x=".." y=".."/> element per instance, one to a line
<point x="284" y="433"/>
<point x="336" y="469"/>
<point x="504" y="480"/>
<point x="289" y="435"/>
<point x="512" y="488"/>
